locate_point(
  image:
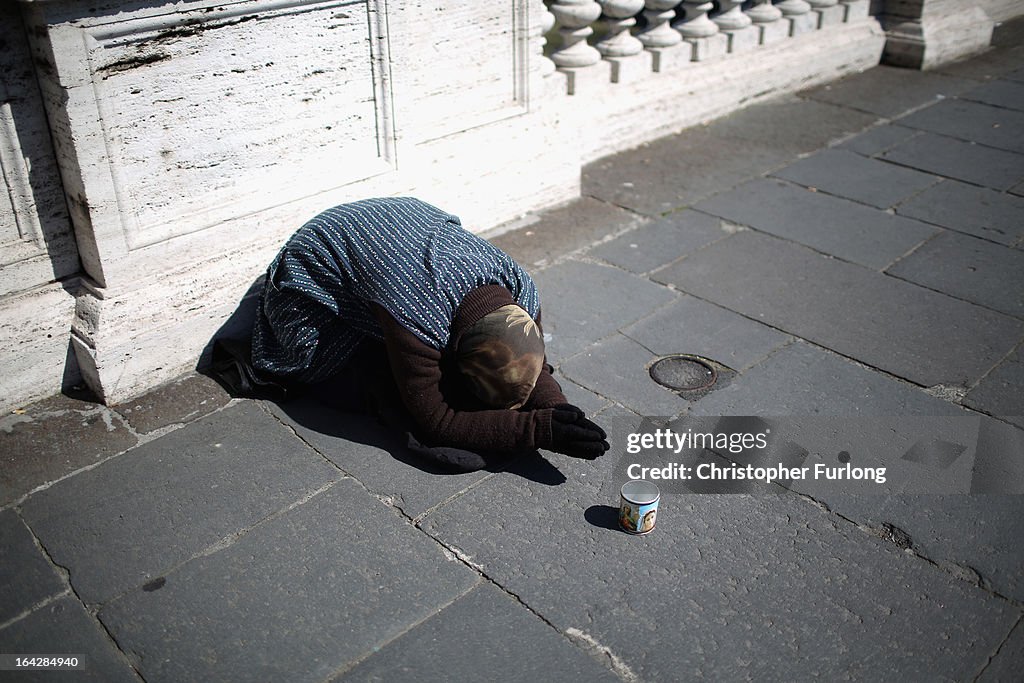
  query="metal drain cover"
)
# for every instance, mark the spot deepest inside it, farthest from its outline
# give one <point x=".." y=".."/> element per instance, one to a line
<point x="683" y="372"/>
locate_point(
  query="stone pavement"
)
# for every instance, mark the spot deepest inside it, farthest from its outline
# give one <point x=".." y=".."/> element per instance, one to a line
<point x="855" y="251"/>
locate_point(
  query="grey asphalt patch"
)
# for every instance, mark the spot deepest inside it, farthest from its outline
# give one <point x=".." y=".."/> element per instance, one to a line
<point x="1009" y="94"/>
<point x="889" y="91"/>
<point x="584" y="302"/>
<point x="999" y="393"/>
<point x="660" y="242"/>
<point x="968" y="268"/>
<point x="829" y="224"/>
<point x="802" y="380"/>
<point x="961" y="160"/>
<point x="726" y="583"/>
<point x="878" y="139"/>
<point x="179" y="402"/>
<point x="846" y="174"/>
<point x="969" y="209"/>
<point x="63" y="627"/>
<point x="138" y="515"/>
<point x="375" y="455"/>
<point x="914" y="333"/>
<point x="35" y="448"/>
<point x="618" y="367"/>
<point x="1005" y="666"/>
<point x="965" y="534"/>
<point x="437" y="649"/>
<point x="295" y="599"/>
<point x="689" y="325"/>
<point x="26" y="576"/>
<point x="978" y="123"/>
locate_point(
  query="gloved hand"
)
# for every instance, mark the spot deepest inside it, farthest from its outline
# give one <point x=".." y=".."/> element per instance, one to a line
<point x="574" y="435"/>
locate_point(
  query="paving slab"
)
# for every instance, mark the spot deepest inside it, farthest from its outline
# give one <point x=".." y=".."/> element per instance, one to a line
<point x="138" y="515"/>
<point x="26" y="576"/>
<point x="325" y="583"/>
<point x="1005" y="666"/>
<point x="911" y="332"/>
<point x="35" y="448"/>
<point x="672" y="173"/>
<point x="584" y="302"/>
<point x="63" y="627"/>
<point x="660" y="242"/>
<point x="565" y="229"/>
<point x="969" y="209"/>
<point x="972" y="121"/>
<point x="584" y="399"/>
<point x="477" y="623"/>
<point x="999" y="393"/>
<point x="724" y="584"/>
<point x="616" y="368"/>
<point x="791" y="125"/>
<point x="961" y="160"/>
<point x="889" y="91"/>
<point x="968" y="535"/>
<point x="800" y="379"/>
<point x="832" y="225"/>
<point x="878" y="139"/>
<point x="181" y="401"/>
<point x="846" y="174"/>
<point x="375" y="455"/>
<point x="998" y="93"/>
<point x="968" y="268"/>
<point x="689" y="325"/>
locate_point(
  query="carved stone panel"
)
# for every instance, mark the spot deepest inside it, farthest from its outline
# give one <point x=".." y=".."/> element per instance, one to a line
<point x="36" y="241"/>
<point x="208" y="113"/>
<point x="459" y="65"/>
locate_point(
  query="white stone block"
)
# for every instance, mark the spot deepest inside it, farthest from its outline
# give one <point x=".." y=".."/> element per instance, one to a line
<point x="802" y="23"/>
<point x="626" y="69"/>
<point x="830" y="16"/>
<point x="588" y="79"/>
<point x="856" y="10"/>
<point x="671" y="59"/>
<point x="711" y="47"/>
<point x="774" y="32"/>
<point x="741" y="40"/>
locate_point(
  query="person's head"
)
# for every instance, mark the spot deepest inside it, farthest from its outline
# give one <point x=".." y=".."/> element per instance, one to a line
<point x="501" y="356"/>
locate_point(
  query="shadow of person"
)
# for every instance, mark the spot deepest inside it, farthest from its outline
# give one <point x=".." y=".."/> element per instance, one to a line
<point x="603" y="516"/>
<point x="335" y="416"/>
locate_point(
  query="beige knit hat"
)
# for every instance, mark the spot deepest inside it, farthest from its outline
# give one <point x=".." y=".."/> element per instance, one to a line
<point x="501" y="356"/>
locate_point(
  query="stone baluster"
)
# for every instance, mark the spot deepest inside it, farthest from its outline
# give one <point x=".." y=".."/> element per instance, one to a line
<point x="661" y="40"/>
<point x="695" y="22"/>
<point x="702" y="33"/>
<point x="829" y="12"/>
<point x="547" y="22"/>
<point x="798" y="14"/>
<point x="766" y="18"/>
<point x="619" y="18"/>
<point x="736" y="26"/>
<point x="659" y="32"/>
<point x="574" y="18"/>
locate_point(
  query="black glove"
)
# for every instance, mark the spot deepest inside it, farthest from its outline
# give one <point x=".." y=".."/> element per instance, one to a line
<point x="574" y="435"/>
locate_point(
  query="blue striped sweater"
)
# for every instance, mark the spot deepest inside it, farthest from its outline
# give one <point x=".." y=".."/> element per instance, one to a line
<point x="412" y="259"/>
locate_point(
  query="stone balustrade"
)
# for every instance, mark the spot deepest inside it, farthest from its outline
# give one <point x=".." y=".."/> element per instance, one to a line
<point x="667" y="34"/>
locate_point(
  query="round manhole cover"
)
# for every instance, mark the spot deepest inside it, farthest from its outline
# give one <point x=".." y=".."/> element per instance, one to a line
<point x="683" y="372"/>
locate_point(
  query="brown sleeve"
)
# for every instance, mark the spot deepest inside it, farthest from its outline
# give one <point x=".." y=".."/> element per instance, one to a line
<point x="417" y="371"/>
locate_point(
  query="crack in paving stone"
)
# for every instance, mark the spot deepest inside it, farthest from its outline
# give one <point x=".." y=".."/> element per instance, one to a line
<point x="614" y="661"/>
